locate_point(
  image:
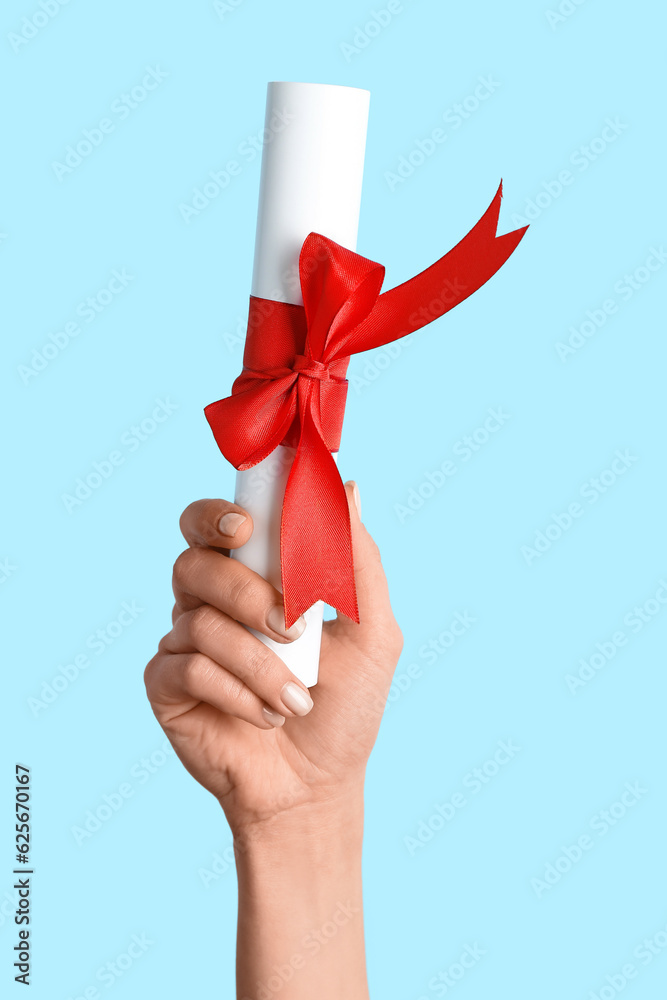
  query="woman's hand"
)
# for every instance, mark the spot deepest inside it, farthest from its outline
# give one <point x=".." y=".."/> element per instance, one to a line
<point x="240" y="721"/>
<point x="288" y="770"/>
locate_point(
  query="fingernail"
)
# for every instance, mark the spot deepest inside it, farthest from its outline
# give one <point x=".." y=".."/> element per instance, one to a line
<point x="276" y="620"/>
<point x="273" y="717"/>
<point x="355" y="496"/>
<point x="296" y="699"/>
<point x="229" y="524"/>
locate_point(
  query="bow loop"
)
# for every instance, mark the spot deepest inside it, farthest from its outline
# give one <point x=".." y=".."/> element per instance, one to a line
<point x="292" y="390"/>
<point x="273" y="405"/>
<point x="339" y="289"/>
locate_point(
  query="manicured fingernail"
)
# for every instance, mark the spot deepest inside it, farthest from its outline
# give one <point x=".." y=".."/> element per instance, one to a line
<point x="273" y="717"/>
<point x="355" y="496"/>
<point x="229" y="524"/>
<point x="276" y="620"/>
<point x="296" y="699"/>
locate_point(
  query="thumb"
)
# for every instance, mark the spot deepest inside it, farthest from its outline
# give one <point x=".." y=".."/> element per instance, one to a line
<point x="377" y="631"/>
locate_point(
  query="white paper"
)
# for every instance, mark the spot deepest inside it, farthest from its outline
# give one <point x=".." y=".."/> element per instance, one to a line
<point x="311" y="179"/>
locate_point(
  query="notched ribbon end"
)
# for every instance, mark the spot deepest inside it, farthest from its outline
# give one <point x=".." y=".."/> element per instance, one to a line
<point x="295" y="608"/>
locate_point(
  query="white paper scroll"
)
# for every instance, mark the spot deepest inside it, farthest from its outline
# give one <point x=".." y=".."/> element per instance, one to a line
<point x="312" y="170"/>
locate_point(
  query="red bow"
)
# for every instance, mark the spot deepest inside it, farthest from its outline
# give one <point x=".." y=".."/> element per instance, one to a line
<point x="292" y="389"/>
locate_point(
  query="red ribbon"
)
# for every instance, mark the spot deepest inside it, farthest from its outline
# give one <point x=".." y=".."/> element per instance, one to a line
<point x="292" y="389"/>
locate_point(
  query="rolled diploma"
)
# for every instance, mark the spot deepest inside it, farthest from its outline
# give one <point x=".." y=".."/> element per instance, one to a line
<point x="311" y="178"/>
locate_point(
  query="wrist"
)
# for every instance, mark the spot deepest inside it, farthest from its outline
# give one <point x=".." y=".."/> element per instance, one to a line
<point x="309" y="832"/>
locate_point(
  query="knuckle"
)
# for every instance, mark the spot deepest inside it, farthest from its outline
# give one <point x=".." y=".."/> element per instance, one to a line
<point x="163" y="645"/>
<point x="260" y="664"/>
<point x="247" y="704"/>
<point x="149" y="675"/>
<point x="392" y="637"/>
<point x="372" y="545"/>
<point x="246" y="701"/>
<point x="179" y="567"/>
<point x="396" y="640"/>
<point x="201" y="623"/>
<point x="194" y="670"/>
<point x="241" y="590"/>
<point x="185" y="567"/>
<point x="188" y="515"/>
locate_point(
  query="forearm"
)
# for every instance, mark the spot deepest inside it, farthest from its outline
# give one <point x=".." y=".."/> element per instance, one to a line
<point x="300" y="924"/>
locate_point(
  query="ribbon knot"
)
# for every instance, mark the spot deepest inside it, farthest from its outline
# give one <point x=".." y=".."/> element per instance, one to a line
<point x="343" y="313"/>
<point x="310" y="368"/>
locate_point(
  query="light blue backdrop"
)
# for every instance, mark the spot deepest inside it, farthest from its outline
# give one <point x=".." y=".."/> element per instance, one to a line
<point x="580" y="92"/>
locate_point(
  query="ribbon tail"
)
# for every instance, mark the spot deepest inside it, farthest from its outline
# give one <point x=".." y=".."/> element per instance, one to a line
<point x="440" y="287"/>
<point x="315" y="539"/>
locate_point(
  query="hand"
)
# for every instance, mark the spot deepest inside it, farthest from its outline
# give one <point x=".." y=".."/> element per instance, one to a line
<point x="239" y="720"/>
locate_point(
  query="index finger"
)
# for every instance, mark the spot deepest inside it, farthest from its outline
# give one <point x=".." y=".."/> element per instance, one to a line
<point x="216" y="524"/>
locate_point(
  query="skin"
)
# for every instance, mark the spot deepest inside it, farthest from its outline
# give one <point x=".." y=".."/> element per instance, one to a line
<point x="292" y="790"/>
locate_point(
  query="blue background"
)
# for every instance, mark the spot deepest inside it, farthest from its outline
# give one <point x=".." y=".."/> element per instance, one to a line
<point x="173" y="333"/>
